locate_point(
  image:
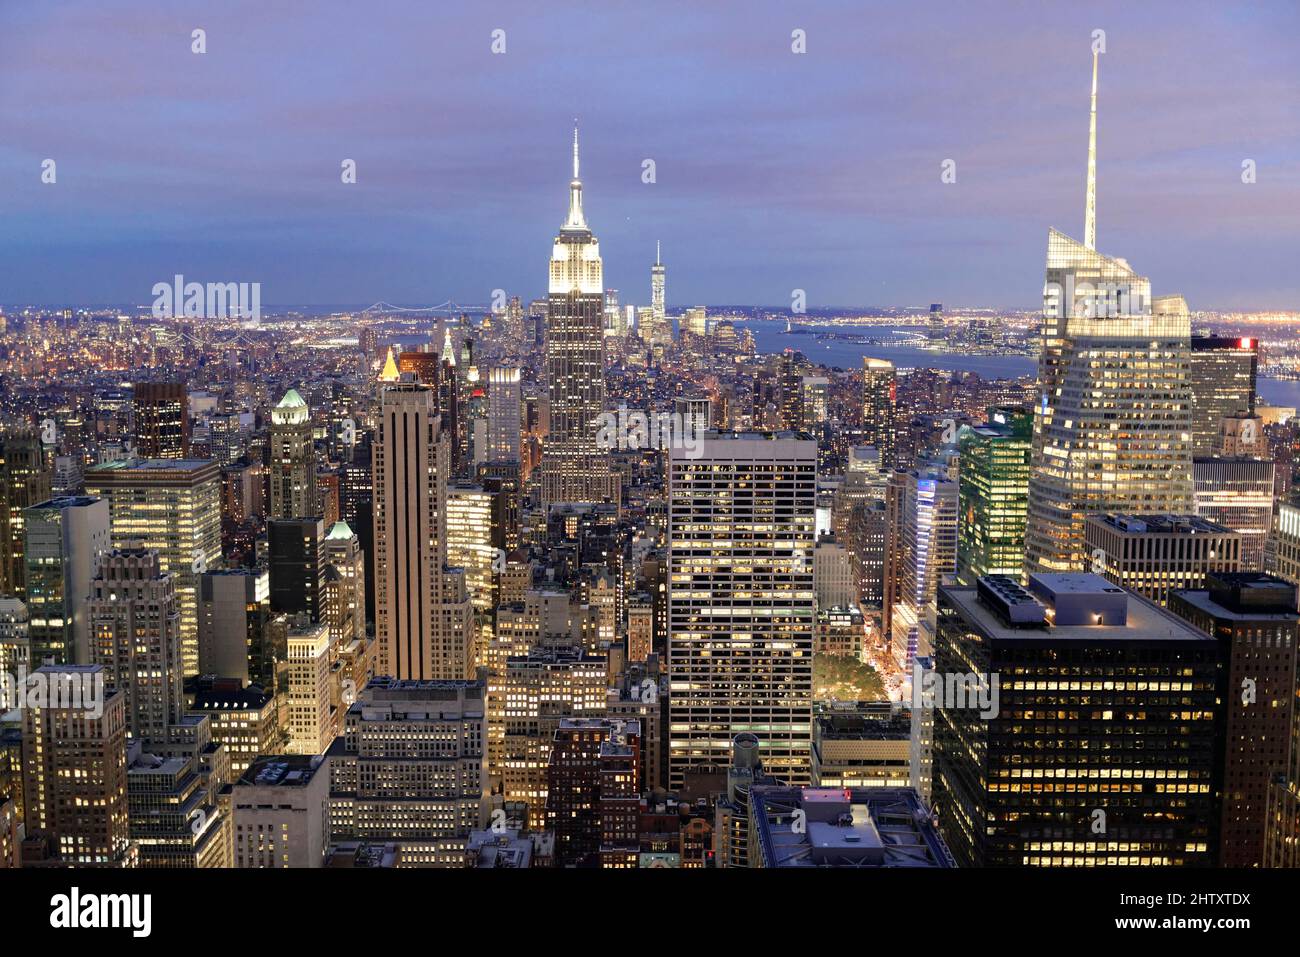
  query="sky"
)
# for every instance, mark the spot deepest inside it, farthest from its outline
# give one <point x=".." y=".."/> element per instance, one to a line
<point x="774" y="170"/>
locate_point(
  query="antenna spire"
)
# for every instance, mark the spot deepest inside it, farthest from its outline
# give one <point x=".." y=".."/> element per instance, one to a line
<point x="1090" y="207"/>
<point x="657" y="262"/>
<point x="575" y="134"/>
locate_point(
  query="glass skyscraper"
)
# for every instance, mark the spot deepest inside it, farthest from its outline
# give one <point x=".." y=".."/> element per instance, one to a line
<point x="1112" y="425"/>
<point x="994" y="494"/>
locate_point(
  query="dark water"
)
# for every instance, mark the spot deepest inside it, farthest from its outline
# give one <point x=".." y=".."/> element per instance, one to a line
<point x="771" y="337"/>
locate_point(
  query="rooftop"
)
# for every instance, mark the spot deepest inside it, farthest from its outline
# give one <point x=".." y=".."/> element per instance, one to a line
<point x="1161" y="524"/>
<point x="281" y="770"/>
<point x="1142" y="620"/>
<point x="846" y="827"/>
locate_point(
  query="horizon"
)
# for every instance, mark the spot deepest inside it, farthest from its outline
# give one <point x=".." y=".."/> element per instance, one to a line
<point x="774" y="171"/>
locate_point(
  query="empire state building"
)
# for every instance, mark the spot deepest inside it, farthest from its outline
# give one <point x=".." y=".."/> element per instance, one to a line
<point x="574" y="469"/>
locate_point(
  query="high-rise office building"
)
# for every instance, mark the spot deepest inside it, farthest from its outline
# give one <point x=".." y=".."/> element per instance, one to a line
<point x="1223" y="372"/>
<point x="74" y="772"/>
<point x="409" y="769"/>
<point x="15" y="646"/>
<point x="343" y="554"/>
<point x="1237" y="492"/>
<point x="312" y="721"/>
<point x="162" y="420"/>
<point x="172" y="506"/>
<point x="880" y="409"/>
<point x="574" y="468"/>
<point x="423" y="618"/>
<point x="741" y="601"/>
<point x="25" y="480"/>
<point x="1253" y="617"/>
<point x="470" y="542"/>
<point x="1075" y="724"/>
<point x="1154" y="555"/>
<point x="593" y="794"/>
<point x="921" y="551"/>
<point x="792" y="411"/>
<point x="135" y="635"/>
<point x="64" y="540"/>
<point x="552" y="681"/>
<point x="1285" y="546"/>
<point x="293" y="460"/>
<point x="505" y="405"/>
<point x="993" y="494"/>
<point x="936" y="333"/>
<point x="296" y="562"/>
<point x="657" y="306"/>
<point x="1112" y="425"/>
<point x="234" y="611"/>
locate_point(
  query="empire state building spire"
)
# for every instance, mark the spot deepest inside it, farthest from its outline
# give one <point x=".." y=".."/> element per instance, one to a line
<point x="576" y="220"/>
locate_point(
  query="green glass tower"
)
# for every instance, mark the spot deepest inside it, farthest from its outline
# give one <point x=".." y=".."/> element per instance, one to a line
<point x="994" y="494"/>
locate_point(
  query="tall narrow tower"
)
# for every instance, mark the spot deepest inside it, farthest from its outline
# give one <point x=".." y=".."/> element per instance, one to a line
<point x="657" y="288"/>
<point x="422" y="615"/>
<point x="573" y="467"/>
<point x="1112" y="425"/>
<point x="293" y="460"/>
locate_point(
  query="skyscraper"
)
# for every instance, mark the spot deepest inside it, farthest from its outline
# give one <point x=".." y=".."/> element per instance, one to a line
<point x="296" y="556"/>
<point x="1154" y="555"/>
<point x="135" y="634"/>
<point x="293" y="460"/>
<point x="174" y="507"/>
<point x="25" y="480"/>
<point x="994" y="494"/>
<point x="1223" y="373"/>
<point x="409" y="768"/>
<point x="64" y="540"/>
<point x="1237" y="491"/>
<point x="423" y="617"/>
<point x="1253" y="617"/>
<point x="1100" y="743"/>
<point x="505" y="424"/>
<point x="741" y="601"/>
<point x="574" y="469"/>
<point x="343" y="553"/>
<point x="162" y="420"/>
<point x="879" y="408"/>
<point x="921" y="551"/>
<point x="74" y="772"/>
<point x="1112" y="427"/>
<point x="657" y="289"/>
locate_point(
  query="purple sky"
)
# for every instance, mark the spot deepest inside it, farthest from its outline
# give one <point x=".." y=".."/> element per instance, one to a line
<point x="775" y="171"/>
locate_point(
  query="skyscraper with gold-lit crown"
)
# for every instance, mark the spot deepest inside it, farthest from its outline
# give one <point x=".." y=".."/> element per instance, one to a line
<point x="573" y="468"/>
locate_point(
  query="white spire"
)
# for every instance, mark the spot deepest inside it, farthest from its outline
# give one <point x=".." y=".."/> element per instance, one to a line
<point x="657" y="260"/>
<point x="575" y="136"/>
<point x="575" y="220"/>
<point x="1090" y="207"/>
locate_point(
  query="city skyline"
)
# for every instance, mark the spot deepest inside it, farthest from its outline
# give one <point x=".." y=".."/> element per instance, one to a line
<point x="664" y="555"/>
<point x="774" y="171"/>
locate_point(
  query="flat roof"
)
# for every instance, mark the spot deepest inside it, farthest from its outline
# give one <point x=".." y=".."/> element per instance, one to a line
<point x="1202" y="601"/>
<point x="1146" y="621"/>
<point x="152" y="465"/>
<point x="1160" y="524"/>
<point x="846" y="827"/>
